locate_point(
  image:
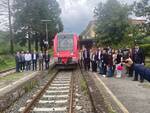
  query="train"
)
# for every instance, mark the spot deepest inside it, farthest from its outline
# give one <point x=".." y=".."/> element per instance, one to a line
<point x="66" y="50"/>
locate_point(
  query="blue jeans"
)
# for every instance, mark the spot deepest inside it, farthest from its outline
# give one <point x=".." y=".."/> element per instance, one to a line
<point x="110" y="71"/>
<point x="104" y="69"/>
<point x="100" y="67"/>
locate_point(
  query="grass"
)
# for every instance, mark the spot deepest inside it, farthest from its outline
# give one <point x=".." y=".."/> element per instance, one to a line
<point x="14" y="76"/>
<point x="84" y="87"/>
<point x="147" y="39"/>
<point x="6" y="62"/>
<point x="147" y="62"/>
<point x="147" y="65"/>
<point x="29" y="86"/>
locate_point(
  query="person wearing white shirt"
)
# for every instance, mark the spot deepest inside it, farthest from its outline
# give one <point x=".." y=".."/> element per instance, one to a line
<point x="28" y="59"/>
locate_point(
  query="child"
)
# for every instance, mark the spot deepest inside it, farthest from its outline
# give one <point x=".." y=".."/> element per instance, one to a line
<point x="119" y="69"/>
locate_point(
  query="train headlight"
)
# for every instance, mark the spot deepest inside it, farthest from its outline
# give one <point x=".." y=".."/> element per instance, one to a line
<point x="74" y="59"/>
<point x="55" y="59"/>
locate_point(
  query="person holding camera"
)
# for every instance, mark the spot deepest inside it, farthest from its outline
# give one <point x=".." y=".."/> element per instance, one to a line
<point x="139" y="69"/>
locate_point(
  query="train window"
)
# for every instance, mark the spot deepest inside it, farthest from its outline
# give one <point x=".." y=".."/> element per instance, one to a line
<point x="65" y="42"/>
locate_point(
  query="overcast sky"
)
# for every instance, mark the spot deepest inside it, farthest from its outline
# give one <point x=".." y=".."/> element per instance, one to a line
<point x="76" y="14"/>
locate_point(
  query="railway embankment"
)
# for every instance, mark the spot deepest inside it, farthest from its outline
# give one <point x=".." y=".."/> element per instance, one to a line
<point x="13" y="88"/>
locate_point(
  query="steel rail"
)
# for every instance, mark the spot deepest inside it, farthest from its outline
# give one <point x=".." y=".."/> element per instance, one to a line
<point x="4" y="71"/>
<point x="88" y="90"/>
<point x="38" y="95"/>
<point x="71" y="94"/>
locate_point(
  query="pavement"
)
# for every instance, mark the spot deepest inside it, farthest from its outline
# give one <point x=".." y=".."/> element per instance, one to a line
<point x="134" y="96"/>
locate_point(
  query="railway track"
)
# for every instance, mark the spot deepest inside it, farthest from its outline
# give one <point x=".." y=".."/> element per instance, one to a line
<point x="57" y="96"/>
<point x="7" y="71"/>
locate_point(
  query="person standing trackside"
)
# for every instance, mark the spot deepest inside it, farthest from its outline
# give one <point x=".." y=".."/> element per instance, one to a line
<point x="22" y="66"/>
<point x="34" y="60"/>
<point x="110" y="64"/>
<point x="18" y="59"/>
<point x="104" y="59"/>
<point x="47" y="59"/>
<point x="130" y="68"/>
<point x="114" y="55"/>
<point x="40" y="60"/>
<point x="86" y="59"/>
<point x="28" y="59"/>
<point x="94" y="61"/>
<point x="81" y="58"/>
<point x="99" y="53"/>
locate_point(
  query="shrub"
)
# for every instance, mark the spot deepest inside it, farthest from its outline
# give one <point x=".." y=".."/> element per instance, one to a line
<point x="146" y="48"/>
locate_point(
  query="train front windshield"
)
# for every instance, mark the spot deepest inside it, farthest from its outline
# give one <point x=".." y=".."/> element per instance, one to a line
<point x="65" y="42"/>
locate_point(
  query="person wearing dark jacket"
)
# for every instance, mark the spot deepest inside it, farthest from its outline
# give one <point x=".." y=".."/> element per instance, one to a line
<point x="22" y="65"/>
<point x="99" y="53"/>
<point x="110" y="65"/>
<point x="139" y="68"/>
<point x="119" y="57"/>
<point x="94" y="61"/>
<point x="130" y="68"/>
<point x="34" y="60"/>
<point x="86" y="59"/>
<point x="104" y="60"/>
<point x="18" y="60"/>
<point x="47" y="60"/>
<point x="138" y="58"/>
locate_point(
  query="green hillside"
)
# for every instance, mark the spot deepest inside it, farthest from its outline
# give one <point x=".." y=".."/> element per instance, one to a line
<point x="4" y="42"/>
<point x="4" y="36"/>
<point x="147" y="39"/>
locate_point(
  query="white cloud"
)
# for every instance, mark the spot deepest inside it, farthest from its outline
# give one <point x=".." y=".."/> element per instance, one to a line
<point x="76" y="14"/>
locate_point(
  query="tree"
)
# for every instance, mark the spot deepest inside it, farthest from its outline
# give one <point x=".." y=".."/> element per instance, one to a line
<point x="111" y="22"/>
<point x="142" y="8"/>
<point x="6" y="11"/>
<point x="28" y="15"/>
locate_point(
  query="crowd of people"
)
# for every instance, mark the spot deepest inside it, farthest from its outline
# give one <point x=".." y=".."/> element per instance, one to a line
<point x="26" y="61"/>
<point x="110" y="62"/>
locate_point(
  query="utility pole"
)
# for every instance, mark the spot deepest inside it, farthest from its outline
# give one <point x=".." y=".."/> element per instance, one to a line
<point x="10" y="28"/>
<point x="46" y="29"/>
<point x="28" y="36"/>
